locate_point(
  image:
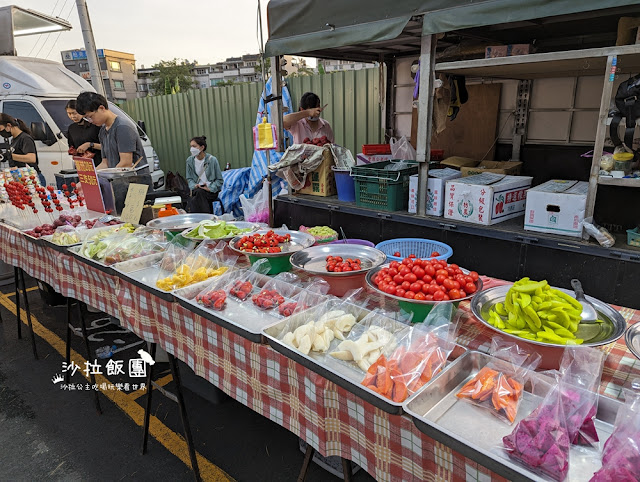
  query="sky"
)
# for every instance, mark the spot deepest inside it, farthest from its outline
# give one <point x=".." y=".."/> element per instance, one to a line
<point x="204" y="30"/>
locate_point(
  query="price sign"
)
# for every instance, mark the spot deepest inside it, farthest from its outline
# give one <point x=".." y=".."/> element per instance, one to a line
<point x="133" y="203"/>
<point x="90" y="185"/>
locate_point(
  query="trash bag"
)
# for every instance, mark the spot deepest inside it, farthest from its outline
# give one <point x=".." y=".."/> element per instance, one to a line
<point x="402" y="149"/>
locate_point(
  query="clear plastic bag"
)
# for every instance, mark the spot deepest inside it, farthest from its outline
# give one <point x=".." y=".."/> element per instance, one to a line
<point x="342" y="156"/>
<point x="621" y="453"/>
<point x="498" y="386"/>
<point x="67" y="235"/>
<point x="275" y="292"/>
<point x="320" y="328"/>
<point x="541" y="441"/>
<point x="242" y="286"/>
<point x="256" y="209"/>
<point x="128" y="246"/>
<point x="402" y="149"/>
<point x="604" y="237"/>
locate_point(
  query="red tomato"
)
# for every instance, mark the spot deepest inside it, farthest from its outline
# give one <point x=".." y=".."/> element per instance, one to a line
<point x="347" y="268"/>
<point x="387" y="279"/>
<point x="462" y="294"/>
<point x="412" y="255"/>
<point x="410" y="277"/>
<point x="456" y="285"/>
<point x="470" y="288"/>
<point x="390" y="290"/>
<point x="415" y="287"/>
<point x="420" y="296"/>
<point x="474" y="275"/>
<point x="454" y="294"/>
<point x="440" y="279"/>
<point x="430" y="270"/>
<point x="438" y="296"/>
<point x="406" y="261"/>
<point x="434" y="254"/>
<point x="468" y="279"/>
<point x="410" y="295"/>
<point x="451" y="271"/>
<point x="446" y="298"/>
<point x="442" y="272"/>
<point x="454" y="266"/>
<point x="418" y="271"/>
<point x="394" y="265"/>
<point x="448" y="284"/>
<point x="397" y="254"/>
<point x="404" y="271"/>
<point x="425" y="288"/>
<point x="398" y="278"/>
<point x="420" y="282"/>
<point x="393" y="272"/>
<point x="437" y="266"/>
<point x="432" y="289"/>
<point x="429" y="297"/>
<point x="426" y="278"/>
<point x="400" y="292"/>
<point x="405" y="285"/>
<point x="393" y="283"/>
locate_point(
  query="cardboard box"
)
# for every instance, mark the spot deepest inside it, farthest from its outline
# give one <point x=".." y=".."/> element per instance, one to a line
<point x="321" y="182"/>
<point x="507" y="50"/>
<point x="509" y="168"/>
<point x="557" y="207"/>
<point x="435" y="190"/>
<point x="486" y="198"/>
<point x="362" y="159"/>
<point x="457" y="162"/>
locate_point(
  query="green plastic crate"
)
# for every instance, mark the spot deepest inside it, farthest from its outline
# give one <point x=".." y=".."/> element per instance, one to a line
<point x="381" y="189"/>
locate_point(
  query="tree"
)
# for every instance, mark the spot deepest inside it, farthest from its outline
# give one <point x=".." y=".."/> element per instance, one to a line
<point x="267" y="66"/>
<point x="301" y="72"/>
<point x="173" y="75"/>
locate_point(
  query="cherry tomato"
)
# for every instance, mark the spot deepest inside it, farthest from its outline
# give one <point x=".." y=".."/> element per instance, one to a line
<point x="393" y="272"/>
<point x="420" y="296"/>
<point x="394" y="265"/>
<point x="430" y="270"/>
<point x="406" y="261"/>
<point x="425" y="288"/>
<point x="390" y="290"/>
<point x="474" y="275"/>
<point x="470" y="288"/>
<point x="398" y="278"/>
<point x="404" y="271"/>
<point x="463" y="294"/>
<point x="410" y="295"/>
<point x="431" y="289"/>
<point x="448" y="284"/>
<point x="429" y="297"/>
<point x="406" y="285"/>
<point x="438" y="296"/>
<point x="400" y="292"/>
<point x="456" y="285"/>
<point x="454" y="294"/>
<point x="446" y="298"/>
<point x="418" y="271"/>
<point x="426" y="278"/>
<point x="442" y="272"/>
<point x="397" y="254"/>
<point x="468" y="279"/>
<point x="437" y="266"/>
<point x="412" y="256"/>
<point x="415" y="287"/>
<point x="440" y="279"/>
<point x="454" y="266"/>
<point x="434" y="254"/>
<point x="410" y="277"/>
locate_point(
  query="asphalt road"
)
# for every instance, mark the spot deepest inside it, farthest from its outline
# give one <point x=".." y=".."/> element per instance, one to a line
<point x="51" y="433"/>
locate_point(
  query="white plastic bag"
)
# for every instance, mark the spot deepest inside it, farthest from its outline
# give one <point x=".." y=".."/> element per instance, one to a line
<point x="256" y="209"/>
<point x="402" y="149"/>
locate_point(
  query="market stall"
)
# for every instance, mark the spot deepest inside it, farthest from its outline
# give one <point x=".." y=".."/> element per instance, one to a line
<point x="239" y="346"/>
<point x="390" y="34"/>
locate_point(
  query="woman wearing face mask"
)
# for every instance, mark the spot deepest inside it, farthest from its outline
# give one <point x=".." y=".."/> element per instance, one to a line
<point x="204" y="177"/>
<point x="306" y="123"/>
<point x="83" y="135"/>
<point x="23" y="151"/>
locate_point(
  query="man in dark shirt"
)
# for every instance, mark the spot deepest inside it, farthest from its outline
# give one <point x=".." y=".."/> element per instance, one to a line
<point x="83" y="135"/>
<point x="119" y="138"/>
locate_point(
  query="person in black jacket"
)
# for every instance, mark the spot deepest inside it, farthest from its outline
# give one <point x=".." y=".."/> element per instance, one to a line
<point x="23" y="148"/>
<point x="83" y="135"/>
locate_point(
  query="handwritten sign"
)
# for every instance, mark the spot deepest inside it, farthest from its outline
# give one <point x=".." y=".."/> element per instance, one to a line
<point x="90" y="186"/>
<point x="133" y="203"/>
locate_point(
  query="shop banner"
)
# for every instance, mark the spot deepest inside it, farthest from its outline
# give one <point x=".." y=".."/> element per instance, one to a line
<point x="90" y="186"/>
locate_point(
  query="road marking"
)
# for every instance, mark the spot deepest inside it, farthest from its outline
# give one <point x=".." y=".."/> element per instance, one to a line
<point x="13" y="293"/>
<point x="173" y="442"/>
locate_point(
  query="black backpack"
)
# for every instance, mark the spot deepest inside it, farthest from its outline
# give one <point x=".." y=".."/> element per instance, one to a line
<point x="627" y="106"/>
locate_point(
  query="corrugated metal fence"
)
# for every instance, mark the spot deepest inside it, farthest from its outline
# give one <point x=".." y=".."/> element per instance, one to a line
<point x="226" y="115"/>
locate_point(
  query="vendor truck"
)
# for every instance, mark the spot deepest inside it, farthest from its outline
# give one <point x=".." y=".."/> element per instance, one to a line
<point x="37" y="91"/>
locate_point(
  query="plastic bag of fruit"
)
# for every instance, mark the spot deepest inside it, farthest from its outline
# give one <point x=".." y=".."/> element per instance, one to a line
<point x="276" y="291"/>
<point x="67" y="235"/>
<point x="498" y="386"/>
<point x="321" y="327"/>
<point x="194" y="266"/>
<point x="128" y="246"/>
<point x="621" y="453"/>
<point x="313" y="294"/>
<point x="420" y="354"/>
<point x="242" y="284"/>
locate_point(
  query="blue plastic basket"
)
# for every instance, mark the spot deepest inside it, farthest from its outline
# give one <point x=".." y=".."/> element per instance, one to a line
<point x="422" y="248"/>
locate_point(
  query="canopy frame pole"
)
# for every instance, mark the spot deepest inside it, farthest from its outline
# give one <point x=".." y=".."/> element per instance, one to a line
<point x="276" y="106"/>
<point x="425" y="116"/>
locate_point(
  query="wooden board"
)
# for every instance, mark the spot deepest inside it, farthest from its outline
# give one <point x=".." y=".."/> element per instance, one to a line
<point x="474" y="131"/>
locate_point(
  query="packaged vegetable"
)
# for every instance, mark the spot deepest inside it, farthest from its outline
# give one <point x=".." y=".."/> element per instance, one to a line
<point x="621" y="453"/>
<point x="421" y="354"/>
<point x="498" y="386"/>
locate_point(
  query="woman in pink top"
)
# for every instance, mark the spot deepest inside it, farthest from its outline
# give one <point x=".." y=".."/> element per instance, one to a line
<point x="306" y="123"/>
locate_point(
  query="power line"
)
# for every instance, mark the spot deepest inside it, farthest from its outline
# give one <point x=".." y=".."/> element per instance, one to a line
<point x="47" y="38"/>
<point x="40" y="37"/>
<point x="59" y="33"/>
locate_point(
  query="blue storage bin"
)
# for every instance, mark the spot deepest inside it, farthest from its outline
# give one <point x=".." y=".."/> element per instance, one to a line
<point x="422" y="248"/>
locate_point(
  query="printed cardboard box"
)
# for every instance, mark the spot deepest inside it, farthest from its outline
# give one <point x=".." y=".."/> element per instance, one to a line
<point x="557" y="207"/>
<point x="322" y="181"/>
<point x="486" y="198"/>
<point x="363" y="159"/>
<point x="435" y="190"/>
<point x="457" y="162"/>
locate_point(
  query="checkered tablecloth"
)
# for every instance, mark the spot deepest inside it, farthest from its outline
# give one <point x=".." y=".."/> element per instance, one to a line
<point x="333" y="420"/>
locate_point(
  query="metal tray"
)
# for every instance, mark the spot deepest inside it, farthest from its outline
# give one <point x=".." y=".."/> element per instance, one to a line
<point x="477" y="434"/>
<point x="239" y="317"/>
<point x="314" y="259"/>
<point x="82" y="235"/>
<point x="146" y="278"/>
<point x="299" y="241"/>
<point x="632" y="339"/>
<point x="342" y="374"/>
<point x="484" y="300"/>
<point x="179" y="222"/>
<point x="31" y="239"/>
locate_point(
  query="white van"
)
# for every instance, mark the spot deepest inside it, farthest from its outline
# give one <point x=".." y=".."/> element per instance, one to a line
<point x="37" y="91"/>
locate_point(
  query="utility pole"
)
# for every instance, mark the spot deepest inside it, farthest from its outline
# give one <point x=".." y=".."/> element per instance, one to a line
<point x="90" y="47"/>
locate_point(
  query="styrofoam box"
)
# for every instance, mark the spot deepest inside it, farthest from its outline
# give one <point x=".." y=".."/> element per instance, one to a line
<point x="435" y="190"/>
<point x="557" y="207"/>
<point x="486" y="198"/>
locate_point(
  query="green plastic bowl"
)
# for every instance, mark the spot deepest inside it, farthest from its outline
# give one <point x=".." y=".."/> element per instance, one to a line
<point x="279" y="264"/>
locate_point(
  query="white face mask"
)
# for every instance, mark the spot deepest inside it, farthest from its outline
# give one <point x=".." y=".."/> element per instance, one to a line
<point x="194" y="151"/>
<point x="313" y="119"/>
